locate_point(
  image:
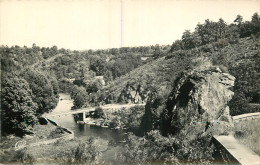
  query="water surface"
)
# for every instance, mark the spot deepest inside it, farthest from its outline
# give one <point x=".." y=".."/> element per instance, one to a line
<point x="85" y="131"/>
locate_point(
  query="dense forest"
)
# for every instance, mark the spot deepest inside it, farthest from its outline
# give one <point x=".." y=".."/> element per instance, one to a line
<point x="44" y="72"/>
<point x="32" y="78"/>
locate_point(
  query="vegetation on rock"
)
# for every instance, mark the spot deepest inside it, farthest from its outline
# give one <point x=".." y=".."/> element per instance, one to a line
<point x="187" y="99"/>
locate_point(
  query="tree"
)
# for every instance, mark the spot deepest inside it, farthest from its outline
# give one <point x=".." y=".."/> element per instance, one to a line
<point x="134" y="119"/>
<point x="157" y="51"/>
<point x="114" y="51"/>
<point x="99" y="113"/>
<point x="45" y="91"/>
<point x="232" y="33"/>
<point x="255" y="23"/>
<point x="124" y="64"/>
<point x="79" y="95"/>
<point x="18" y="108"/>
<point x="247" y="85"/>
<point x="176" y="45"/>
<point x="209" y="31"/>
<point x="54" y="50"/>
<point x="97" y="64"/>
<point x="151" y="118"/>
<point x="239" y="104"/>
<point x="239" y="19"/>
<point x="190" y="40"/>
<point x="93" y="86"/>
<point x="221" y="29"/>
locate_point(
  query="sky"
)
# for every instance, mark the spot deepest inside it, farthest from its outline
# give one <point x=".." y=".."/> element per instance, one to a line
<point x="101" y="24"/>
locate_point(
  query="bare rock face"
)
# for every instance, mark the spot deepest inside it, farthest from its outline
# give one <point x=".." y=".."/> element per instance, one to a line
<point x="200" y="100"/>
<point x="132" y="94"/>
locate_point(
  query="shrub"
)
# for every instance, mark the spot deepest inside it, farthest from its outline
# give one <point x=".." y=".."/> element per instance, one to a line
<point x="80" y="152"/>
<point x="58" y="132"/>
<point x="99" y="113"/>
<point x="151" y="148"/>
<point x="24" y="157"/>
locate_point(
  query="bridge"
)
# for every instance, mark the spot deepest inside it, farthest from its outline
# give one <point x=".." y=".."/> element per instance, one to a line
<point x="106" y="108"/>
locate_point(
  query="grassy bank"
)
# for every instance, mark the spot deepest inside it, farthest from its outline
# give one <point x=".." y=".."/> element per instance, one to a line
<point x="73" y="151"/>
<point x="247" y="132"/>
<point x="39" y="133"/>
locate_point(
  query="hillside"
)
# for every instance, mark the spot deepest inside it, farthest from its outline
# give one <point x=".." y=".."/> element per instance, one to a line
<point x="160" y="74"/>
<point x="190" y="89"/>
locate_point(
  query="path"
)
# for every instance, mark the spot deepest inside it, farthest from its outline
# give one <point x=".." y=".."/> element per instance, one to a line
<point x="240" y="152"/>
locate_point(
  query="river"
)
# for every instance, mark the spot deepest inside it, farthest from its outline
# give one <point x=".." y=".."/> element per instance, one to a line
<point x="85" y="131"/>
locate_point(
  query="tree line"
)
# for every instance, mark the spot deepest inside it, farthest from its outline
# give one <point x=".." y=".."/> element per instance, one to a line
<point x="82" y="72"/>
<point x="30" y="83"/>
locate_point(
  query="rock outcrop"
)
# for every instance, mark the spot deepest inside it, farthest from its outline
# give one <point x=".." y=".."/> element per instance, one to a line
<point x="133" y="94"/>
<point x="199" y="100"/>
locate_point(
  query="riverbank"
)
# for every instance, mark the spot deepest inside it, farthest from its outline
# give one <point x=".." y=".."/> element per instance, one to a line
<point x="51" y="143"/>
<point x="16" y="149"/>
<point x="60" y="152"/>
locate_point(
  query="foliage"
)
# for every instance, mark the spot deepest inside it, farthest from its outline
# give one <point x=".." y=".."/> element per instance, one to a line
<point x="248" y="28"/>
<point x="34" y="91"/>
<point x="151" y="118"/>
<point x="239" y="104"/>
<point x="18" y="108"/>
<point x="134" y="118"/>
<point x="247" y="88"/>
<point x="129" y="118"/>
<point x="188" y="146"/>
<point x="44" y="93"/>
<point x="92" y="86"/>
<point x="190" y="40"/>
<point x="57" y="132"/>
<point x="97" y="64"/>
<point x="75" y="151"/>
<point x="151" y="148"/>
<point x="79" y="96"/>
<point x="193" y="146"/>
<point x="247" y="132"/>
<point x="86" y="152"/>
<point x="99" y="113"/>
<point x="123" y="64"/>
<point x="81" y="152"/>
<point x="154" y="147"/>
<point x="16" y="58"/>
<point x="24" y="156"/>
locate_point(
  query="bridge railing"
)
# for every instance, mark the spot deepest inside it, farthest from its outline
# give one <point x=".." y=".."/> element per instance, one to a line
<point x="105" y="108"/>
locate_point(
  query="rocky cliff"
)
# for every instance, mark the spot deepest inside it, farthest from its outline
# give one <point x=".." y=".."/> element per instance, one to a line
<point x="133" y="94"/>
<point x="199" y="102"/>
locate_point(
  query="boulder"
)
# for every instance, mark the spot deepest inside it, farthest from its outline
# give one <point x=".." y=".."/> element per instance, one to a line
<point x="200" y="97"/>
